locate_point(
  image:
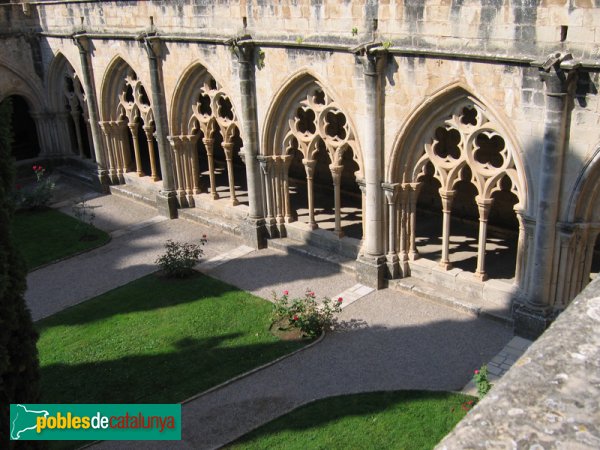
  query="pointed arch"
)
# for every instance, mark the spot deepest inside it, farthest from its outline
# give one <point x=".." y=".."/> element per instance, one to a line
<point x="299" y="91"/>
<point x="203" y="125"/>
<point x="17" y="82"/>
<point x="306" y="118"/>
<point x="416" y="138"/>
<point x="583" y="205"/>
<point x="118" y="79"/>
<point x="456" y="138"/>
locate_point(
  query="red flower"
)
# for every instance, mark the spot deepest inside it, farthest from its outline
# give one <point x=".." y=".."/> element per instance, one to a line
<point x="340" y="300"/>
<point x="476" y="372"/>
<point x="203" y="236"/>
<point x="35" y="168"/>
<point x="470" y="402"/>
<point x="311" y="294"/>
<point x="295" y="318"/>
<point x="285" y="293"/>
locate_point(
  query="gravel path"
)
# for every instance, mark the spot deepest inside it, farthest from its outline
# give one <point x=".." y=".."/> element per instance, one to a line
<point x="386" y="340"/>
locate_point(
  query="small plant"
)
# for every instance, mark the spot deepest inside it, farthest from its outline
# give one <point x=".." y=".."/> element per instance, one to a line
<point x="260" y="59"/>
<point x="38" y="196"/>
<point x="180" y="258"/>
<point x="305" y="313"/>
<point x="480" y="378"/>
<point x="354" y="31"/>
<point x="387" y="44"/>
<point x="299" y="40"/>
<point x="86" y="216"/>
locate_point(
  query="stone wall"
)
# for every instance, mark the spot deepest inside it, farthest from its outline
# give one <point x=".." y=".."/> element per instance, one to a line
<point x="549" y="398"/>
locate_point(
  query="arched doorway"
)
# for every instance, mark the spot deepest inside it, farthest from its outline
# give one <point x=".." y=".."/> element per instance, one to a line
<point x="25" y="139"/>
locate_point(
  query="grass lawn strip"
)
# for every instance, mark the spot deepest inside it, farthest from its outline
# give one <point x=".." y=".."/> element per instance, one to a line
<point x="44" y="236"/>
<point x="155" y="340"/>
<point x="383" y="420"/>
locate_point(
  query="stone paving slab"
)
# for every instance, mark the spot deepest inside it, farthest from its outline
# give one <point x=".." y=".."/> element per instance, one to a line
<point x="354" y="293"/>
<point x="223" y="258"/>
<point x="502" y="362"/>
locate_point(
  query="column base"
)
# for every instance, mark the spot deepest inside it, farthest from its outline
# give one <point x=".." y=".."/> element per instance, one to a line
<point x="393" y="267"/>
<point x="529" y="323"/>
<point x="102" y="181"/>
<point x="254" y="233"/>
<point x="166" y="204"/>
<point x="370" y="271"/>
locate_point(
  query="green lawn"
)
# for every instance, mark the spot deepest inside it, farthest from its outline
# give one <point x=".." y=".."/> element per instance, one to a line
<point x="383" y="420"/>
<point x="48" y="235"/>
<point x="155" y="341"/>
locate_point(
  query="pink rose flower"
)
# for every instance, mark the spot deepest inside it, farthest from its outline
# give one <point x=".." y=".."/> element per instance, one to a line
<point x="285" y="293"/>
<point x="476" y="371"/>
<point x="340" y="300"/>
<point x="295" y="318"/>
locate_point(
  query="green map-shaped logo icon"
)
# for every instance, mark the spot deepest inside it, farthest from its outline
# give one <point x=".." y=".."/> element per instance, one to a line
<point x="24" y="420"/>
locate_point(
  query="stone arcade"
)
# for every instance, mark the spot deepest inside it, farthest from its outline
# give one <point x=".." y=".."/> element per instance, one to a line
<point x="444" y="142"/>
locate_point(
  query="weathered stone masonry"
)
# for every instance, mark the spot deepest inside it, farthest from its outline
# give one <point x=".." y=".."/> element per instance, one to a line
<point x="341" y="124"/>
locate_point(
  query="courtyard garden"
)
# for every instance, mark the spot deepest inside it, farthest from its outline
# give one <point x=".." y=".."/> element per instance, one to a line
<point x="155" y="340"/>
<point x="46" y="235"/>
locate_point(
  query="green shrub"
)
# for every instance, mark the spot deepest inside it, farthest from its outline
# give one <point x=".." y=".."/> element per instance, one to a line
<point x="305" y="313"/>
<point x="180" y="258"/>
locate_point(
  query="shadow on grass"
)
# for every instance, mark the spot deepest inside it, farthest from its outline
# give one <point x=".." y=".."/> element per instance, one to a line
<point x="193" y="366"/>
<point x="398" y="419"/>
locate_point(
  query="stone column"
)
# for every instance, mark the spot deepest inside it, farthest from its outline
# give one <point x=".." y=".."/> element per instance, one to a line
<point x="521" y="249"/>
<point x="85" y="46"/>
<point x="166" y="199"/>
<point x="391" y="195"/>
<point x="403" y="227"/>
<point x="447" y="197"/>
<point x="336" y="174"/>
<point x="228" y="149"/>
<point x="484" y="205"/>
<point x="309" y="166"/>
<point x="177" y="146"/>
<point x="133" y="128"/>
<point x="208" y="145"/>
<point x="266" y="165"/>
<point x="78" y="136"/>
<point x="254" y="228"/>
<point x="371" y="265"/>
<point x="150" y="139"/>
<point x="287" y="161"/>
<point x="413" y="196"/>
<point x="534" y="317"/>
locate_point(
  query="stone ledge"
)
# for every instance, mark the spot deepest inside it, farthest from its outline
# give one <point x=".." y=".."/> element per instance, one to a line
<point x="550" y="397"/>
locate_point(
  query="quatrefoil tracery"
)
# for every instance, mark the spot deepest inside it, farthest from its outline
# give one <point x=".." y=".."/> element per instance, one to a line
<point x="468" y="139"/>
<point x="317" y="119"/>
<point x="213" y="110"/>
<point x="134" y="102"/>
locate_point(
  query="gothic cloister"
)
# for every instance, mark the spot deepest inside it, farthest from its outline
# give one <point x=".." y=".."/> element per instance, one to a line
<point x="464" y="170"/>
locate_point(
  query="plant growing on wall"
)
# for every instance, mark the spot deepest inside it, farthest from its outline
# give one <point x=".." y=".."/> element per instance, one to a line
<point x="260" y="59"/>
<point x="354" y="31"/>
<point x="480" y="378"/>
